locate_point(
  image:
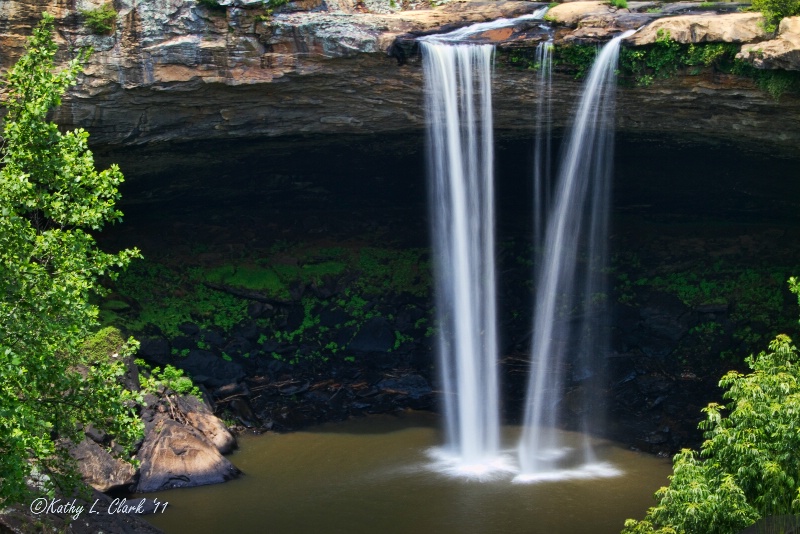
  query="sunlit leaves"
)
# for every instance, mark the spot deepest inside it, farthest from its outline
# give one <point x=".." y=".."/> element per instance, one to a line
<point x="51" y="199"/>
<point x="749" y="466"/>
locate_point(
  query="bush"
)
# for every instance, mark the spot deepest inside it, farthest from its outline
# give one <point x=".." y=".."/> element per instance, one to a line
<point x="53" y="383"/>
<point x="748" y="466"/>
<point x="775" y="10"/>
<point x="100" y="20"/>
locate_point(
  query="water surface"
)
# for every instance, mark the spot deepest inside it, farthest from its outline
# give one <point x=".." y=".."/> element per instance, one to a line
<point x="373" y="475"/>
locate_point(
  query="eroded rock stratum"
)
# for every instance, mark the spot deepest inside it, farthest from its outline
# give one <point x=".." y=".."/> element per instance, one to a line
<point x="176" y="70"/>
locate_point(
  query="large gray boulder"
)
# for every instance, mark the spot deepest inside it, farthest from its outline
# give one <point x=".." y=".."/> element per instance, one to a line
<point x="706" y="28"/>
<point x="101" y="470"/>
<point x="783" y="52"/>
<point x="200" y="417"/>
<point x="178" y="456"/>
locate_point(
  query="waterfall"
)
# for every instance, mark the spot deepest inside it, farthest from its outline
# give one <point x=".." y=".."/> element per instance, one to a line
<point x="461" y="176"/>
<point x="570" y="291"/>
<point x="460" y="159"/>
<point x="543" y="146"/>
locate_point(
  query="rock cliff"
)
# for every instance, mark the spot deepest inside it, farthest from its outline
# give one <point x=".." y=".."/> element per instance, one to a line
<point x="177" y="70"/>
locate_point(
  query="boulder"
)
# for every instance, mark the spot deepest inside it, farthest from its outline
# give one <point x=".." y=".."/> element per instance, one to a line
<point x="200" y="417"/>
<point x="176" y="456"/>
<point x="706" y="28"/>
<point x="572" y="13"/>
<point x="601" y="27"/>
<point x="783" y="52"/>
<point x="99" y="469"/>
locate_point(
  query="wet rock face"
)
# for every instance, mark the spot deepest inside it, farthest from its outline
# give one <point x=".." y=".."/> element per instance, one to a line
<point x="175" y="70"/>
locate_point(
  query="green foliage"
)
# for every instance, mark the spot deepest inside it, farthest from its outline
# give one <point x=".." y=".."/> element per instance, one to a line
<point x="774" y="82"/>
<point x="619" y="4"/>
<point x="775" y="10"/>
<point x="102" y="19"/>
<point x="754" y="296"/>
<point x="156" y="381"/>
<point x="577" y="57"/>
<point x="666" y="57"/>
<point x="748" y="466"/>
<point x="168" y="297"/>
<point x="51" y="198"/>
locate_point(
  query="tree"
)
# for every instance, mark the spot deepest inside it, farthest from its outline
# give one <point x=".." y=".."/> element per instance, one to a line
<point x="775" y="10"/>
<point x="51" y="199"/>
<point x="748" y="466"/>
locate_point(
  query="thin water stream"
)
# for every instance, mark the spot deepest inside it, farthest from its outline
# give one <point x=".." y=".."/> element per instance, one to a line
<point x="371" y="475"/>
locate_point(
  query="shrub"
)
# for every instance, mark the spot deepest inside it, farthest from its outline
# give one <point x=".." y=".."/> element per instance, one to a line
<point x="748" y="466"/>
<point x="775" y="10"/>
<point x="100" y="20"/>
<point x="53" y="382"/>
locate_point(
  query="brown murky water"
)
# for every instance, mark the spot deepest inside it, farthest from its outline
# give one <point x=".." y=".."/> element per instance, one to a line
<point x="372" y="475"/>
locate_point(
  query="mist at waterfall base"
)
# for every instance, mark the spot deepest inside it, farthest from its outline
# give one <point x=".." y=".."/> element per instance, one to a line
<point x="569" y="309"/>
<point x="573" y="228"/>
<point x="458" y="85"/>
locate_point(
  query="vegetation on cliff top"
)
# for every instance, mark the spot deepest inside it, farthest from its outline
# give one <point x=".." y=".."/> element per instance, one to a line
<point x="52" y="383"/>
<point x="643" y="66"/>
<point x="775" y="10"/>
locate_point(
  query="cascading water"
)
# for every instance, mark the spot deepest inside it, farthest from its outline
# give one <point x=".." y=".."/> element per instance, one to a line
<point x="461" y="159"/>
<point x="543" y="147"/>
<point x="458" y="89"/>
<point x="569" y="290"/>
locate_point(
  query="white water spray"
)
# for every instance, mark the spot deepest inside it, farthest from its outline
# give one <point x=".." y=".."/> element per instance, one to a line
<point x="576" y="232"/>
<point x="461" y="160"/>
<point x="543" y="146"/>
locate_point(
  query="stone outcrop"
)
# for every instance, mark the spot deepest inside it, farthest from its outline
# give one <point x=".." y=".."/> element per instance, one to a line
<point x="571" y="13"/>
<point x="783" y="52"/>
<point x="708" y="28"/>
<point x="200" y="417"/>
<point x="177" y="456"/>
<point x="101" y="470"/>
<point x="175" y="70"/>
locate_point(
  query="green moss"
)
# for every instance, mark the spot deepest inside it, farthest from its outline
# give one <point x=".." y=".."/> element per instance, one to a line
<point x="169" y="297"/>
<point x="360" y="278"/>
<point x="247" y="277"/>
<point x="104" y="343"/>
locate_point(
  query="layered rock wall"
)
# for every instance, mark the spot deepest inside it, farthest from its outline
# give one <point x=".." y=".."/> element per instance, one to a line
<point x="175" y="70"/>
